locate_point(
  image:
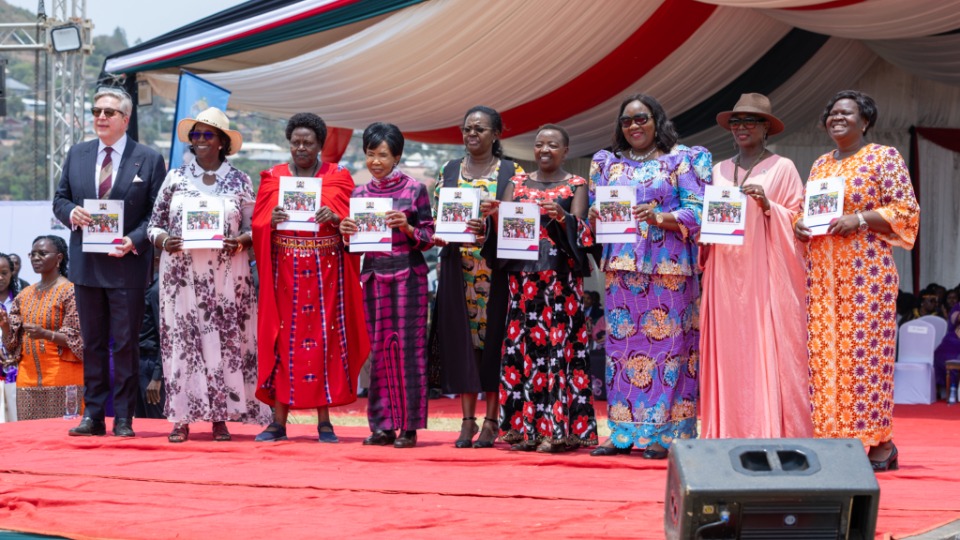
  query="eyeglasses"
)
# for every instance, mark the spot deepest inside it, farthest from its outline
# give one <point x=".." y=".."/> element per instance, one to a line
<point x="97" y="111"/>
<point x="467" y="130"/>
<point x="748" y="122"/>
<point x="206" y="135"/>
<point x="639" y="119"/>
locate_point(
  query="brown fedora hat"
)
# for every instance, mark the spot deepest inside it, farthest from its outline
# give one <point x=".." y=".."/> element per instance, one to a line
<point x="757" y="104"/>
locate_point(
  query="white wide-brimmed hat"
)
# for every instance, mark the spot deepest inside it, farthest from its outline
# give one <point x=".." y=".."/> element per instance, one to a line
<point x="212" y="117"/>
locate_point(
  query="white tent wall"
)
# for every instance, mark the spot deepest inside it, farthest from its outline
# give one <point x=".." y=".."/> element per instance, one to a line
<point x="20" y="223"/>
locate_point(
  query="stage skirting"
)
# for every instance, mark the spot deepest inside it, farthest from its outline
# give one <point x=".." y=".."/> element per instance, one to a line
<point x="105" y="487"/>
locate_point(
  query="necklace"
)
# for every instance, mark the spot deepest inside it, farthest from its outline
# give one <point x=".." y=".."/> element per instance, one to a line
<point x="486" y="167"/>
<point x="313" y="172"/>
<point x="838" y="155"/>
<point x="736" y="169"/>
<point x="41" y="287"/>
<point x="644" y="157"/>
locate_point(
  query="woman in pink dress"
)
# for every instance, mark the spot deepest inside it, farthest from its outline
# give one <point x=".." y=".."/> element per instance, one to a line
<point x="753" y="340"/>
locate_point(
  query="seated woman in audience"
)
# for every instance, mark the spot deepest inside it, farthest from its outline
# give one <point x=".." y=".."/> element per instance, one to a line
<point x="949" y="349"/>
<point x="207" y="305"/>
<point x="308" y="283"/>
<point x="546" y="402"/>
<point x="41" y="334"/>
<point x="395" y="294"/>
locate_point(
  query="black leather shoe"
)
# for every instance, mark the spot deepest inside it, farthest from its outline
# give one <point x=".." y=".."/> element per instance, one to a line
<point x="89" y="427"/>
<point x="123" y="427"/>
<point x="609" y="451"/>
<point x="653" y="453"/>
<point x="380" y="438"/>
<point x="408" y="439"/>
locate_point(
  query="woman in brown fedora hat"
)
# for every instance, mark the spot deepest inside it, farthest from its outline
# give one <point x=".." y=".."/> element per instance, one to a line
<point x="208" y="308"/>
<point x="753" y="367"/>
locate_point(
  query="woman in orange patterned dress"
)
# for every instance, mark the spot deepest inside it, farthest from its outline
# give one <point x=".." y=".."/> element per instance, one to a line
<point x="42" y="335"/>
<point x="852" y="282"/>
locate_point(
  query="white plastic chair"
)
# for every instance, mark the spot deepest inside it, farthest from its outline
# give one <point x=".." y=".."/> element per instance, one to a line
<point x="913" y="379"/>
<point x="939" y="327"/>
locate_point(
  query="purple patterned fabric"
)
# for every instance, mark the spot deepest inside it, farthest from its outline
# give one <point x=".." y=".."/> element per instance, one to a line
<point x="395" y="298"/>
<point x="652" y="312"/>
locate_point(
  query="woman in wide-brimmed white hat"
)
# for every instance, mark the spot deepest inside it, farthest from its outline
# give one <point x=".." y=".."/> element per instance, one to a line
<point x="207" y="301"/>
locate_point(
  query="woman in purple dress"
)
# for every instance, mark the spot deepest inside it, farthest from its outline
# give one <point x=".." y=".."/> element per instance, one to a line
<point x="395" y="294"/>
<point x="651" y="289"/>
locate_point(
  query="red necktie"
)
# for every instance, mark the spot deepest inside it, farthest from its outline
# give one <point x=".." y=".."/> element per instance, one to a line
<point x="106" y="174"/>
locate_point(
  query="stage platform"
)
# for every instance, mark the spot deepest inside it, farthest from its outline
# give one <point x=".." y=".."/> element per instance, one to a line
<point x="105" y="487"/>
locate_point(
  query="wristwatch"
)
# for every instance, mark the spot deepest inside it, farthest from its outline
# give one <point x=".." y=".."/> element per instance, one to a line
<point x="659" y="218"/>
<point x="863" y="222"/>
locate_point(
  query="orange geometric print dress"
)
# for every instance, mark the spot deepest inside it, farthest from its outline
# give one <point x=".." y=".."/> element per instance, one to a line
<point x="852" y="287"/>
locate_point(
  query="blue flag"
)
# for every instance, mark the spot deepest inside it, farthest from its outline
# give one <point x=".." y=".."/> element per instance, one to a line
<point x="194" y="96"/>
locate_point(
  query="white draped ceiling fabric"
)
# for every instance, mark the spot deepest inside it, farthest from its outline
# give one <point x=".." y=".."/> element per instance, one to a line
<point x="421" y="63"/>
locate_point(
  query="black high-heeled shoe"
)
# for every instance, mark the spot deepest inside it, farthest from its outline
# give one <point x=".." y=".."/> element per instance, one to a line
<point x="892" y="463"/>
<point x="487" y="436"/>
<point x="468" y="429"/>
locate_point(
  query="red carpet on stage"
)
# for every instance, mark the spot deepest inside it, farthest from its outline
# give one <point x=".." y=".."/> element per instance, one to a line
<point x="105" y="487"/>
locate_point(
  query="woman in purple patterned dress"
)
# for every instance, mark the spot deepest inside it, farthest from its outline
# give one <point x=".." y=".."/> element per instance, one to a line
<point x="652" y="292"/>
<point x="395" y="294"/>
<point x="208" y="327"/>
<point x="546" y="403"/>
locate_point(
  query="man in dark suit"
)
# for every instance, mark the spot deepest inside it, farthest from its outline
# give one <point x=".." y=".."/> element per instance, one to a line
<point x="110" y="287"/>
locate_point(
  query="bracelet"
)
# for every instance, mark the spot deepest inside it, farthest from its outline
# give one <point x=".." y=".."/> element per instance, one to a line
<point x="562" y="218"/>
<point x="163" y="245"/>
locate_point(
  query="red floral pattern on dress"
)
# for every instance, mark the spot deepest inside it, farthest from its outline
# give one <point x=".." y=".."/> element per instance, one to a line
<point x="546" y="341"/>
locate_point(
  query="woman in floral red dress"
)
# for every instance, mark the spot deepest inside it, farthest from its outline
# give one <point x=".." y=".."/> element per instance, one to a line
<point x="546" y="403"/>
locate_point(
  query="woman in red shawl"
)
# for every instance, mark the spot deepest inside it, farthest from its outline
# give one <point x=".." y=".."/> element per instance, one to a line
<point x="312" y="337"/>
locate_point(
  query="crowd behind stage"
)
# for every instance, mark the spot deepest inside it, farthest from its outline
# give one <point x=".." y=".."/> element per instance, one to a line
<point x="284" y="319"/>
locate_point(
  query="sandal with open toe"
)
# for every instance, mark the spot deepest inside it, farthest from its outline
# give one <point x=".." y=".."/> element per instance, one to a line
<point x="524" y="446"/>
<point x="220" y="432"/>
<point x="180" y="433"/>
<point x="547" y="447"/>
<point x="488" y="433"/>
<point x="468" y="429"/>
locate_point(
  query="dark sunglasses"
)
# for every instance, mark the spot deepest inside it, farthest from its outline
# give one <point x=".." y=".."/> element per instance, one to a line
<point x="97" y="111"/>
<point x="471" y="129"/>
<point x="640" y="119"/>
<point x="206" y="135"/>
<point x="748" y="122"/>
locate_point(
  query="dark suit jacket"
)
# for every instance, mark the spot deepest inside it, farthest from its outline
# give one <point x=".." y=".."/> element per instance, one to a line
<point x="77" y="183"/>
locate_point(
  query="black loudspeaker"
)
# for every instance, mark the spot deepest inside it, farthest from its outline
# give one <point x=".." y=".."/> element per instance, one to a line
<point x="770" y="488"/>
